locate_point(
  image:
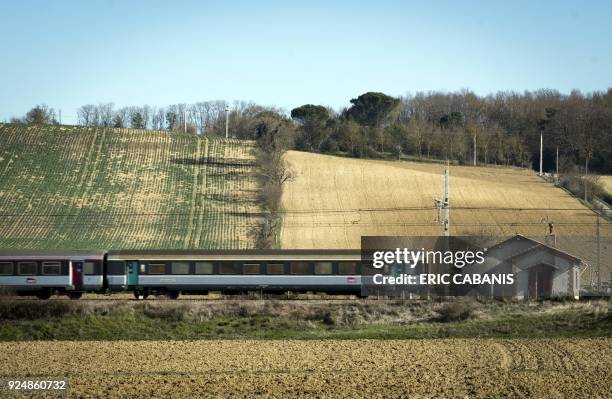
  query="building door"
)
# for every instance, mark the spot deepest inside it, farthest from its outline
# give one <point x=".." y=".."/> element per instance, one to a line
<point x="540" y="282"/>
<point x="132" y="273"/>
<point x="77" y="274"/>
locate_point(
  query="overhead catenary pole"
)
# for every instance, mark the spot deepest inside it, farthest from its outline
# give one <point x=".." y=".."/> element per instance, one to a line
<point x="227" y="121"/>
<point x="60" y="116"/>
<point x="446" y="202"/>
<point x="185" y="119"/>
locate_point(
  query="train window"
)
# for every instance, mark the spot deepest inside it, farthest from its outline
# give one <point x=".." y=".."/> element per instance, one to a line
<point x="299" y="268"/>
<point x="89" y="268"/>
<point x="180" y="267"/>
<point x="228" y="268"/>
<point x="275" y="268"/>
<point x="6" y="268"/>
<point x="323" y="268"/>
<point x="251" y="268"/>
<point x="347" y="268"/>
<point x="370" y="270"/>
<point x="203" y="268"/>
<point x="27" y="268"/>
<point x="51" y="268"/>
<point x="156" y="268"/>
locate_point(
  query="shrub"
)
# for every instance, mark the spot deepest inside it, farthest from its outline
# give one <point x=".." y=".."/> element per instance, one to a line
<point x="32" y="310"/>
<point x="165" y="312"/>
<point x="573" y="180"/>
<point x="456" y="311"/>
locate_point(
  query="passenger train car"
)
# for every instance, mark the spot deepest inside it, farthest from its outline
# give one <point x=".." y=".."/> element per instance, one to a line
<point x="43" y="273"/>
<point x="173" y="272"/>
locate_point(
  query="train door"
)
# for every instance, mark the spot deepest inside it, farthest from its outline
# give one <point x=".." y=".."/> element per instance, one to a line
<point x="76" y="268"/>
<point x="132" y="273"/>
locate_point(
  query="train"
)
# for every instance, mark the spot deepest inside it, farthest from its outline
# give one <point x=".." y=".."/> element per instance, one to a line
<point x="174" y="272"/>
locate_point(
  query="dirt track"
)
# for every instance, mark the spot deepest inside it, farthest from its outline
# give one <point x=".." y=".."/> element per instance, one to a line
<point x="368" y="368"/>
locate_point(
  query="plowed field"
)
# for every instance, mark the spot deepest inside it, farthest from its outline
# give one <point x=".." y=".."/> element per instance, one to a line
<point x="362" y="368"/>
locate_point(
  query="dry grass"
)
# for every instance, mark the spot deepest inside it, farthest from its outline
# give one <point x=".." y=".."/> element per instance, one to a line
<point x="333" y="312"/>
<point x="280" y="369"/>
<point x="333" y="201"/>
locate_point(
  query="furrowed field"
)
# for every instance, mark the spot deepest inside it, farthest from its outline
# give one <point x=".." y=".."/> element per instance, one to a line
<point x="82" y="187"/>
<point x="333" y="201"/>
<point x="282" y="349"/>
<point x="542" y="368"/>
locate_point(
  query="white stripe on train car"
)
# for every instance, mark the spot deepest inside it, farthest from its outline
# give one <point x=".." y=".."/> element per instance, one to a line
<point x="247" y="280"/>
<point x="92" y="281"/>
<point x="116" y="280"/>
<point x="35" y="281"/>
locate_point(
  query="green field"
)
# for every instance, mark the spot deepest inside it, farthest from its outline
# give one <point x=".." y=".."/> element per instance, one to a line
<point x="101" y="188"/>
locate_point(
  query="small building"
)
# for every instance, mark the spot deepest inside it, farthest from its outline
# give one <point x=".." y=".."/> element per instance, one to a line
<point x="540" y="270"/>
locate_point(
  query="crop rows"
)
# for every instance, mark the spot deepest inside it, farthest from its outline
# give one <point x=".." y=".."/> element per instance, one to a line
<point x="460" y="368"/>
<point x="230" y="189"/>
<point x="81" y="187"/>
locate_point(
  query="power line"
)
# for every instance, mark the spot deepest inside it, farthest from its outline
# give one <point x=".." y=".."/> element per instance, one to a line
<point x="289" y="212"/>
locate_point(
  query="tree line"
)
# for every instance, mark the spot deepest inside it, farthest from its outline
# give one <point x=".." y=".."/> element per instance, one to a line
<point x="205" y="117"/>
<point x="462" y="127"/>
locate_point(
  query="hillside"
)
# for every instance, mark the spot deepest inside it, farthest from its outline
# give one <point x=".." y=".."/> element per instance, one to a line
<point x="606" y="182"/>
<point x="82" y="187"/>
<point x="332" y="201"/>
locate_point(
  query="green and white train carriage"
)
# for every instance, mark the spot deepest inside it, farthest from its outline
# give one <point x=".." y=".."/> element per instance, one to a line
<point x="268" y="271"/>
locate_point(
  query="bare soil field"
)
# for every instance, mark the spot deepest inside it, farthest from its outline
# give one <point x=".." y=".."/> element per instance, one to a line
<point x="543" y="368"/>
<point x="333" y="201"/>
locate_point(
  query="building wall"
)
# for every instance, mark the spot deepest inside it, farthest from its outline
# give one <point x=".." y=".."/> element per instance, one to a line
<point x="564" y="270"/>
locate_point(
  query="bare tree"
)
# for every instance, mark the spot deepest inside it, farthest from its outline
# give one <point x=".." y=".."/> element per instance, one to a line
<point x="86" y="115"/>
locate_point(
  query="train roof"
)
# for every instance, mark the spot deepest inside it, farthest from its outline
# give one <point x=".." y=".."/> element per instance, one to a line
<point x="241" y="255"/>
<point x="57" y="254"/>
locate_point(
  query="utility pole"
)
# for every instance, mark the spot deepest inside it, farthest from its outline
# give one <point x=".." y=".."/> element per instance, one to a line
<point x="557" y="163"/>
<point x="541" y="149"/>
<point x="60" y="116"/>
<point x="185" y="119"/>
<point x="227" y="121"/>
<point x="598" y="254"/>
<point x="474" y="150"/>
<point x="586" y="178"/>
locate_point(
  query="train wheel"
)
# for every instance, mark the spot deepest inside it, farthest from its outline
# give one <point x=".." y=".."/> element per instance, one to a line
<point x="44" y="294"/>
<point x="172" y="294"/>
<point x="75" y="295"/>
<point x="141" y="294"/>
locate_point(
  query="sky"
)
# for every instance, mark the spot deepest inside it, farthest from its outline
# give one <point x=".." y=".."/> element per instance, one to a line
<point x="285" y="54"/>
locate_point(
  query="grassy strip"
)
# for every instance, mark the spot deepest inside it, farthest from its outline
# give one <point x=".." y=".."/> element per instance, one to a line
<point x="136" y="326"/>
